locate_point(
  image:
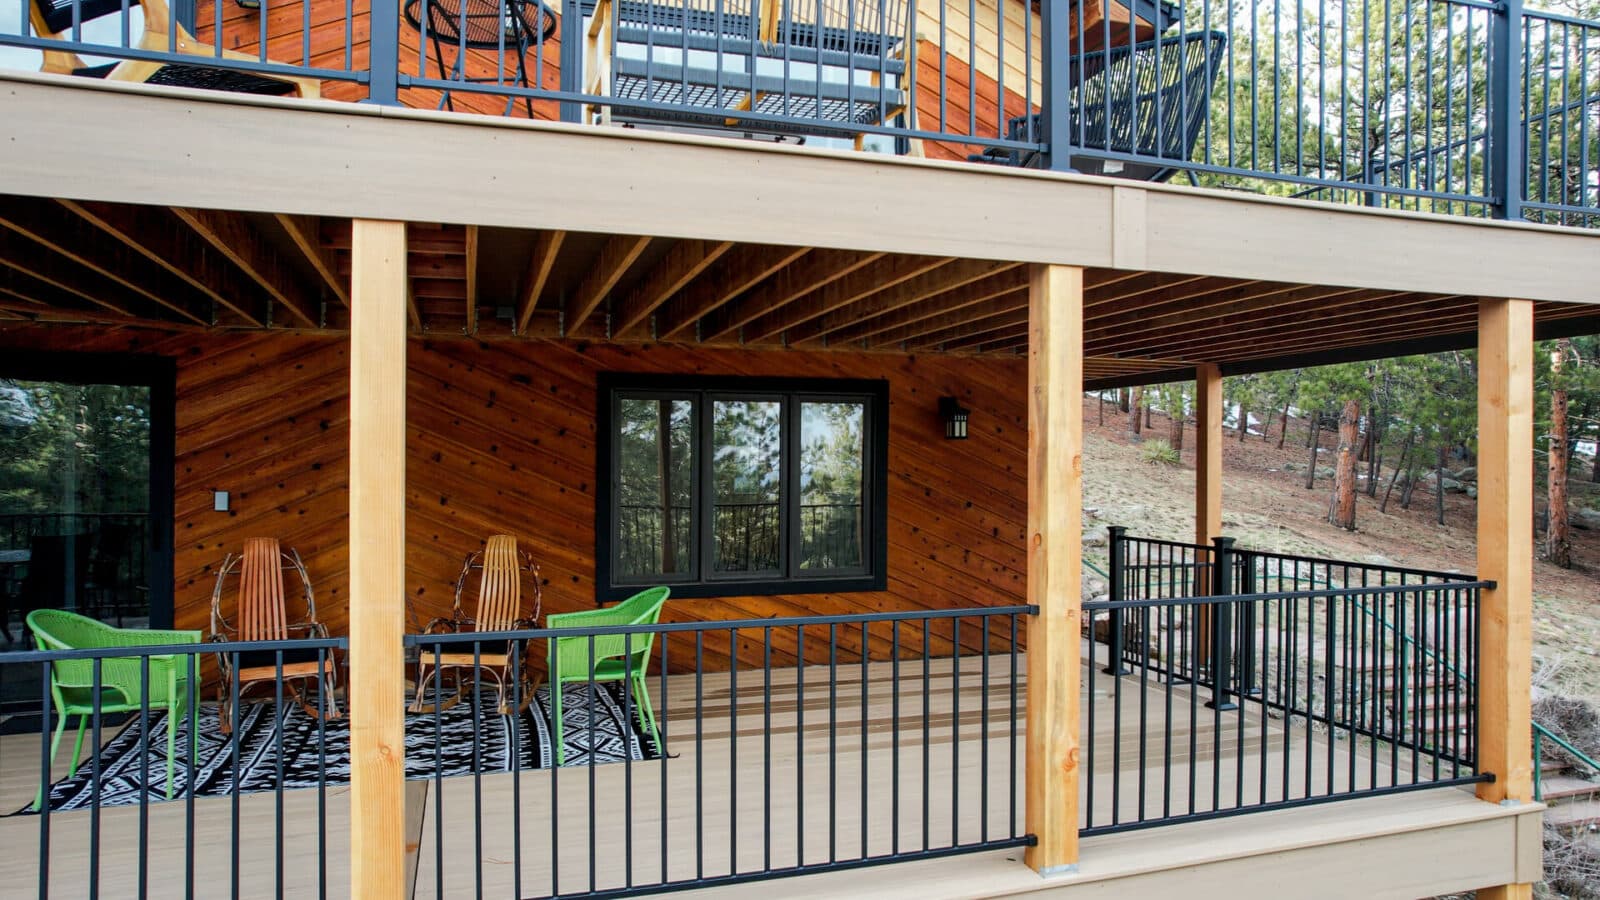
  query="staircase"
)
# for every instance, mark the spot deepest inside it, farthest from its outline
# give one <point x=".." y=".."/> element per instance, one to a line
<point x="1574" y="801"/>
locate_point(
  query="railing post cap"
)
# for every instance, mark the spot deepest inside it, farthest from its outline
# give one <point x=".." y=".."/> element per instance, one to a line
<point x="1225" y="542"/>
<point x="1117" y="530"/>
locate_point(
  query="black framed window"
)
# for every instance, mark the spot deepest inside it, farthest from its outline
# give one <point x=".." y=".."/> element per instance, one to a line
<point x="729" y="486"/>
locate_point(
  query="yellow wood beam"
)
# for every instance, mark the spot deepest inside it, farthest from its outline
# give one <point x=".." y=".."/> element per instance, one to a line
<point x="608" y="267"/>
<point x="1055" y="550"/>
<point x="234" y="237"/>
<point x="545" y="249"/>
<point x="306" y="232"/>
<point x="1207" y="453"/>
<point x="377" y="558"/>
<point x="1505" y="556"/>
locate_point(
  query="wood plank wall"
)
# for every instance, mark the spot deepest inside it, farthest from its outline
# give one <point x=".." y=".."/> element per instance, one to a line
<point x="340" y="37"/>
<point x="500" y="437"/>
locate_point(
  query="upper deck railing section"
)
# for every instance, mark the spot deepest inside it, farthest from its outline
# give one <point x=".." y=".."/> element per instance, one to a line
<point x="1456" y="106"/>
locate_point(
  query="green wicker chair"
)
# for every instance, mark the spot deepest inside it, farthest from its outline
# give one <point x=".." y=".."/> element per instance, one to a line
<point x="72" y="680"/>
<point x="615" y="656"/>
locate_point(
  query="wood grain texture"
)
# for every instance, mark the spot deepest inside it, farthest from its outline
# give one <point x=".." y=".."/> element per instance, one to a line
<point x="1208" y="454"/>
<point x="1505" y="555"/>
<point x="500" y="438"/>
<point x="1055" y="551"/>
<point x="377" y="558"/>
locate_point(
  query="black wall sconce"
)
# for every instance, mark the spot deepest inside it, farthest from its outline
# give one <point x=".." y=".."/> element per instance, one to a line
<point x="955" y="418"/>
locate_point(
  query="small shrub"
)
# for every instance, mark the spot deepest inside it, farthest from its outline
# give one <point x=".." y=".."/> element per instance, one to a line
<point x="1159" y="453"/>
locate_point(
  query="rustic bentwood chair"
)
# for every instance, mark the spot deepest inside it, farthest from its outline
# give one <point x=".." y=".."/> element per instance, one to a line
<point x="606" y="657"/>
<point x="261" y="614"/>
<point x="502" y="568"/>
<point x="54" y="19"/>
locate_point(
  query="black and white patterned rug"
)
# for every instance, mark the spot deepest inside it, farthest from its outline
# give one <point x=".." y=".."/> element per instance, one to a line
<point x="435" y="745"/>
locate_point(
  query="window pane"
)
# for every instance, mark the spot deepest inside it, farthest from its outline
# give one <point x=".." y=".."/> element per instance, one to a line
<point x="832" y="458"/>
<point x="745" y="448"/>
<point x="654" y="534"/>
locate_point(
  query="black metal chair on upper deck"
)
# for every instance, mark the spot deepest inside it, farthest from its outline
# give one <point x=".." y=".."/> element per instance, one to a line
<point x="821" y="68"/>
<point x="57" y="19"/>
<point x="512" y="26"/>
<point x="1147" y="100"/>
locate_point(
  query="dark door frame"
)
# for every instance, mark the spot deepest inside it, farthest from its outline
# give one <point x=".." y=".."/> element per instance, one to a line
<point x="160" y="375"/>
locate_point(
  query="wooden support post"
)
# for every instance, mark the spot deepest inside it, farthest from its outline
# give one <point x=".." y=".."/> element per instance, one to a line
<point x="377" y="558"/>
<point x="1505" y="556"/>
<point x="1207" y="485"/>
<point x="1055" y="550"/>
<point x="1207" y="454"/>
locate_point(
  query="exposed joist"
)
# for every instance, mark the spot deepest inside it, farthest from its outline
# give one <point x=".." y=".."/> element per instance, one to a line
<point x="162" y="239"/>
<point x="933" y="328"/>
<point x="976" y="333"/>
<point x="1279" y="308"/>
<point x="413" y="311"/>
<point x="546" y="247"/>
<point x="1288" y="330"/>
<point x="740" y="271"/>
<point x="62" y="274"/>
<point x="51" y="226"/>
<point x="682" y="265"/>
<point x="899" y="296"/>
<point x="608" y="267"/>
<point x="818" y="269"/>
<point x="234" y="237"/>
<point x="306" y="233"/>
<point x="472" y="279"/>
<point x="795" y="320"/>
<point x="909" y="321"/>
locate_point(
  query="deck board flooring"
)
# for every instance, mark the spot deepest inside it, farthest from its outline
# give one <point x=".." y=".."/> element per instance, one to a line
<point x="765" y="793"/>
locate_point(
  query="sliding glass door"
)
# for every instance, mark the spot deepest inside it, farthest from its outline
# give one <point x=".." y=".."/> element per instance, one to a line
<point x="85" y="494"/>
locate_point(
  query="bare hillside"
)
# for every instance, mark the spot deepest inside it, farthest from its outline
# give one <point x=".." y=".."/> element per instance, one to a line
<point x="1266" y="504"/>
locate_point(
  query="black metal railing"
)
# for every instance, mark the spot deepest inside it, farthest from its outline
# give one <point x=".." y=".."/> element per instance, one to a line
<point x="170" y="798"/>
<point x="747" y="750"/>
<point x="1457" y="106"/>
<point x="1296" y="680"/>
<point x="94" y="563"/>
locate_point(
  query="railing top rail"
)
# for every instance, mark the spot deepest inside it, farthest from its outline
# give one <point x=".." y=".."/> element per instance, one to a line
<point x="1095" y="605"/>
<point x="419" y="640"/>
<point x="1161" y="542"/>
<point x="1563" y="744"/>
<point x="29" y="656"/>
<point x="1556" y="17"/>
<point x="1322" y="560"/>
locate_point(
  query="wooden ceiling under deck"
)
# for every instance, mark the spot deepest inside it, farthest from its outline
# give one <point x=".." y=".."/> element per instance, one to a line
<point x="65" y="262"/>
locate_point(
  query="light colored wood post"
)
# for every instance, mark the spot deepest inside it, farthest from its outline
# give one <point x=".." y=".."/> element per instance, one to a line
<point x="1055" y="551"/>
<point x="1207" y="484"/>
<point x="1207" y="454"/>
<point x="377" y="558"/>
<point x="1505" y="556"/>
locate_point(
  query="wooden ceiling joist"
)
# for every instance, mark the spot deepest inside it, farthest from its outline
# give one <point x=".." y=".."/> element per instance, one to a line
<point x="91" y="289"/>
<point x="61" y="233"/>
<point x="739" y="272"/>
<point x="608" y="267"/>
<point x="233" y="235"/>
<point x="931" y="332"/>
<point x="888" y="328"/>
<point x="681" y="266"/>
<point x="166" y="241"/>
<point x="306" y="233"/>
<point x="973" y="333"/>
<point x="796" y="321"/>
<point x="817" y="269"/>
<point x="911" y="291"/>
<point x="1376" y="308"/>
<point x="546" y="247"/>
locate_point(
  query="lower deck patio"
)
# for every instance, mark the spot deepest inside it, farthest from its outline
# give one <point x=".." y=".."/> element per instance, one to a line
<point x="765" y="771"/>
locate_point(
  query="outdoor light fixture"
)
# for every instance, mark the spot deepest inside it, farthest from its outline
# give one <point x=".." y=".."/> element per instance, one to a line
<point x="955" y="418"/>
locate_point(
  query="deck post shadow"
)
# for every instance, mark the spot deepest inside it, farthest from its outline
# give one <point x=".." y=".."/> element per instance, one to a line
<point x="1505" y="557"/>
<point x="377" y="558"/>
<point x="1055" y="550"/>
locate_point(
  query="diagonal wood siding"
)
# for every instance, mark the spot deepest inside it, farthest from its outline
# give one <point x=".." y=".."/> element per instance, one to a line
<point x="500" y="437"/>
